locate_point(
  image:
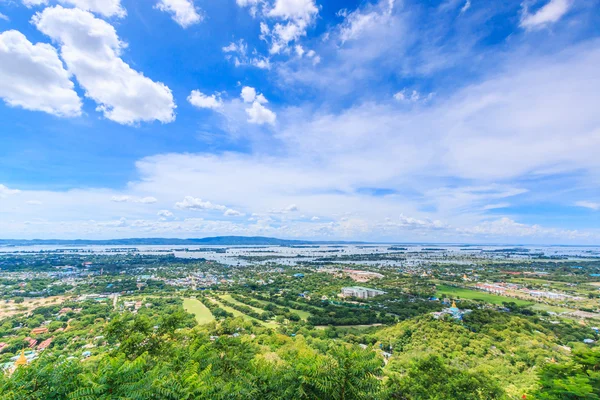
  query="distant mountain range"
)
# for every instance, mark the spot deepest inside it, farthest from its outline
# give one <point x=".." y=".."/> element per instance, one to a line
<point x="218" y="240"/>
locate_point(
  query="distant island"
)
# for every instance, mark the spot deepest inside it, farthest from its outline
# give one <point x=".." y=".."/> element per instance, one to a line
<point x="216" y="241"/>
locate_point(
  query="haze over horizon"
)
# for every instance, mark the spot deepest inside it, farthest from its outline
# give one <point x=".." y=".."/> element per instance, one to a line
<point x="379" y="121"/>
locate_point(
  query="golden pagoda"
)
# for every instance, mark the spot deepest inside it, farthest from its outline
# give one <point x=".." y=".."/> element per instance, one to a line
<point x="454" y="304"/>
<point x="22" y="360"/>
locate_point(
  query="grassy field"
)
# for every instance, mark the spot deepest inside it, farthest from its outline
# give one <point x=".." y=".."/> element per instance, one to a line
<point x="546" y="307"/>
<point x="202" y="313"/>
<point x="236" y="313"/>
<point x="302" y="314"/>
<point x="227" y="297"/>
<point x="476" y="295"/>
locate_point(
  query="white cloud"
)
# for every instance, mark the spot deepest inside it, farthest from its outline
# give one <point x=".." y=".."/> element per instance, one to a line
<point x="32" y="3"/>
<point x="183" y="11"/>
<point x="293" y="16"/>
<point x="34" y="202"/>
<point x="196" y="204"/>
<point x="315" y="219"/>
<point x="91" y="50"/>
<point x="259" y="114"/>
<point x="106" y="8"/>
<point x="238" y="53"/>
<point x="5" y="191"/>
<point x="200" y="100"/>
<point x="4" y="17"/>
<point x="465" y="7"/>
<point x="248" y="94"/>
<point x="32" y="77"/>
<point x="252" y="4"/>
<point x="233" y="47"/>
<point x="550" y="13"/>
<point x="165" y="214"/>
<point x="403" y="95"/>
<point x="495" y="206"/>
<point x="286" y="210"/>
<point x="233" y="213"/>
<point x="361" y="20"/>
<point x="506" y="227"/>
<point x="588" y="204"/>
<point x="132" y="199"/>
<point x="246" y="3"/>
<point x="294" y="9"/>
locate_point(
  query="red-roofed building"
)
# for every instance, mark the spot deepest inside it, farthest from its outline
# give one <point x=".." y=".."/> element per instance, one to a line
<point x="44" y="345"/>
<point x="3" y="346"/>
<point x="30" y="342"/>
<point x="39" y="331"/>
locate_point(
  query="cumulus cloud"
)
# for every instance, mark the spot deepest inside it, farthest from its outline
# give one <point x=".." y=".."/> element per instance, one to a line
<point x="259" y="114"/>
<point x="184" y="12"/>
<point x="293" y="16"/>
<point x="5" y="191"/>
<point x="588" y="204"/>
<point x="200" y="100"/>
<point x="132" y="199"/>
<point x="294" y="9"/>
<point x="550" y="13"/>
<point x="106" y="8"/>
<point x="164" y="213"/>
<point x="196" y="204"/>
<point x="233" y="213"/>
<point x="251" y="4"/>
<point x="412" y="96"/>
<point x="33" y="77"/>
<point x="248" y="94"/>
<point x="91" y="50"/>
<point x="238" y="53"/>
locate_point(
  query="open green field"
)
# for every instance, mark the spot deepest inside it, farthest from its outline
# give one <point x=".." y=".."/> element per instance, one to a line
<point x="227" y="297"/>
<point x="477" y="295"/>
<point x="202" y="313"/>
<point x="236" y="313"/>
<point x="546" y="307"/>
<point x="302" y="314"/>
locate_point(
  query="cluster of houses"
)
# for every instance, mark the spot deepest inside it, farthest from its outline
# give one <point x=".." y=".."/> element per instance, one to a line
<point x="503" y="288"/>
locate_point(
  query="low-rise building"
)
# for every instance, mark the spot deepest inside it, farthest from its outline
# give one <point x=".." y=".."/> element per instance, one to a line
<point x="361" y="292"/>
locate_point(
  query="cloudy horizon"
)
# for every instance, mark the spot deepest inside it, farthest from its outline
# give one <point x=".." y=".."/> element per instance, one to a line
<point x="382" y="121"/>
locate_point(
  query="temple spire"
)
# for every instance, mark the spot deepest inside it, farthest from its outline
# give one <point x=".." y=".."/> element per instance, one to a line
<point x="22" y="360"/>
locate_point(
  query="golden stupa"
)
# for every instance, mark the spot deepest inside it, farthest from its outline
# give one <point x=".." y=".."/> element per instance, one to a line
<point x="22" y="360"/>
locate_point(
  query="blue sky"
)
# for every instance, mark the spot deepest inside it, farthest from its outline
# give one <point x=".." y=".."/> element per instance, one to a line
<point x="441" y="121"/>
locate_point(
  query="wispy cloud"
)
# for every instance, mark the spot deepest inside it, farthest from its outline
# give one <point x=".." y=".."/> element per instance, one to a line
<point x="548" y="14"/>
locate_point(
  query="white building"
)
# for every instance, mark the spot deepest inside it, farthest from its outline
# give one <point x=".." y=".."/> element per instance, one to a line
<point x="361" y="292"/>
